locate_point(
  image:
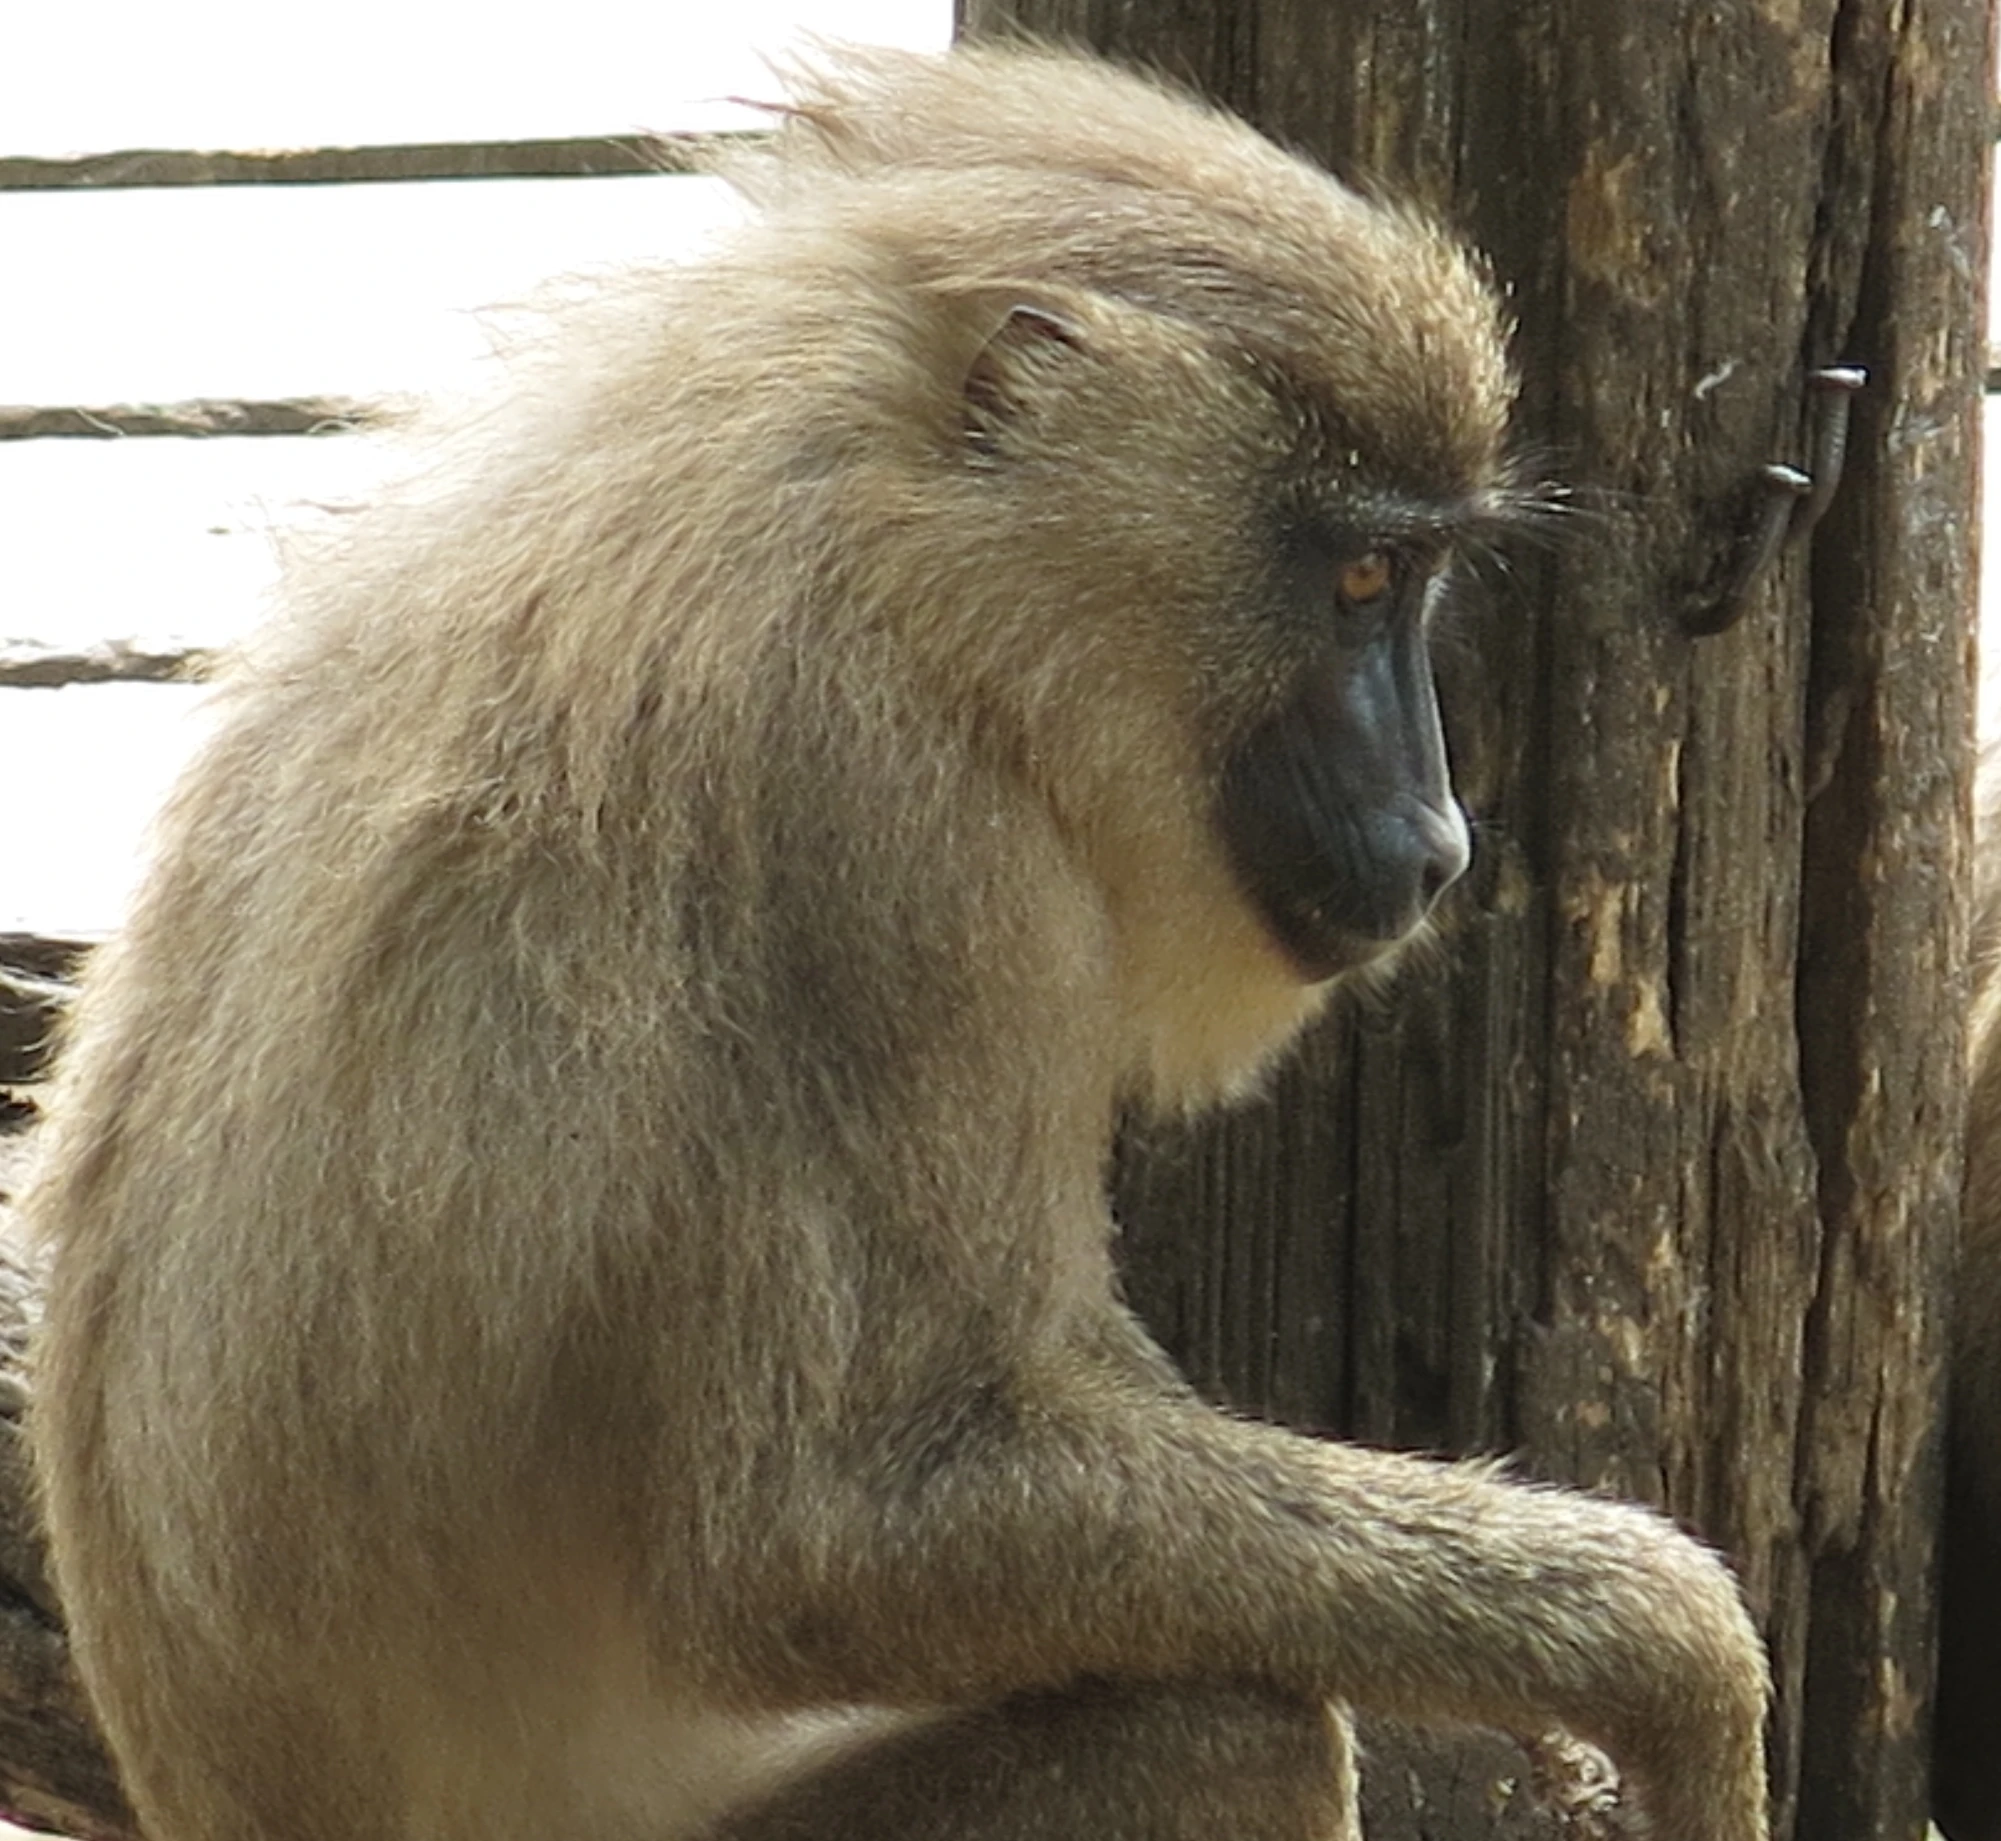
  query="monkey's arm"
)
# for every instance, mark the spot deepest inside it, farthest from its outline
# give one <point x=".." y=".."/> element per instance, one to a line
<point x="1097" y="1529"/>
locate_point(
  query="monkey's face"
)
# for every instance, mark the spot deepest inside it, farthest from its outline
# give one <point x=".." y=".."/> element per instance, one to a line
<point x="1189" y="588"/>
<point x="1181" y="543"/>
<point x="1337" y="807"/>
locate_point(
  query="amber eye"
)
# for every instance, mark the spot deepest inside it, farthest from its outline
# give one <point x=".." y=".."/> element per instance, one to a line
<point x="1364" y="578"/>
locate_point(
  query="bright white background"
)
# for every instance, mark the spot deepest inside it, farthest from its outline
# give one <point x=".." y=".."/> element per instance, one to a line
<point x="123" y="296"/>
<point x="267" y="291"/>
<point x="241" y="74"/>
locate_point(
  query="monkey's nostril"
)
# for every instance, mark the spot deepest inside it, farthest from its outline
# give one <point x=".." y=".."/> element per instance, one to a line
<point x="1446" y="846"/>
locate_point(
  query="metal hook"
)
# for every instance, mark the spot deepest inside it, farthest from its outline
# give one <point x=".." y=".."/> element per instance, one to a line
<point x="1789" y="502"/>
<point x="1784" y="490"/>
<point x="1834" y="390"/>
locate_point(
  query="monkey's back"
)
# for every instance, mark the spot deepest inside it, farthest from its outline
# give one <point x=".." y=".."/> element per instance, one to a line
<point x="631" y="877"/>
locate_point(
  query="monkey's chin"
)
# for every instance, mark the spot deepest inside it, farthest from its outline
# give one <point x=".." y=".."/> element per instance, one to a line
<point x="1320" y="953"/>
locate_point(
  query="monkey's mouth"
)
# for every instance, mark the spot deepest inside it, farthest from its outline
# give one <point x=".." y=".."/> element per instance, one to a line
<point x="1340" y="868"/>
<point x="1312" y="937"/>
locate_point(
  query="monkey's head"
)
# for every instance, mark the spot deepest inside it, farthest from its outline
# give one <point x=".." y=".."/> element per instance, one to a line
<point x="1204" y="433"/>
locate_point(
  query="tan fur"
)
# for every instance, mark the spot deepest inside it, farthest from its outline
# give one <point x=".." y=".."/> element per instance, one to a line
<point x="581" y="1296"/>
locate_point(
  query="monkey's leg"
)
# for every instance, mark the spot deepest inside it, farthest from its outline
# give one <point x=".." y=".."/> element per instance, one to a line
<point x="1204" y="1761"/>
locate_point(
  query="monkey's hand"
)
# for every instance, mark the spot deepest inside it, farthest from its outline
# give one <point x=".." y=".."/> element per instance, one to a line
<point x="1578" y="1785"/>
<point x="1453" y="1593"/>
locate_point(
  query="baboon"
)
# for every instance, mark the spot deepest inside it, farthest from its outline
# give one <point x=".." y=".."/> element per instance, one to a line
<point x="582" y="1296"/>
<point x="1966" y="1774"/>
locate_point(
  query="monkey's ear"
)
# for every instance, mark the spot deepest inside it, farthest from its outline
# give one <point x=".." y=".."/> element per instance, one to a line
<point x="1021" y="347"/>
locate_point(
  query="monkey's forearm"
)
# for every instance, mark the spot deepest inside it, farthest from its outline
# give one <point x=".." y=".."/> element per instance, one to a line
<point x="1171" y="1541"/>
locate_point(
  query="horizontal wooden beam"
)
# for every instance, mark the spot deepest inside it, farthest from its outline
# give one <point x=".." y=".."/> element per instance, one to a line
<point x="27" y="666"/>
<point x="302" y="415"/>
<point x="586" y="156"/>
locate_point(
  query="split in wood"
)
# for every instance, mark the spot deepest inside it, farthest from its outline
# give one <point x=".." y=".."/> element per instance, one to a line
<point x="1788" y="502"/>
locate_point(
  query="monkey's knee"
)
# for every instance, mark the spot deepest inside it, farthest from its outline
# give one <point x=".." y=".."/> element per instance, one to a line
<point x="1102" y="1762"/>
